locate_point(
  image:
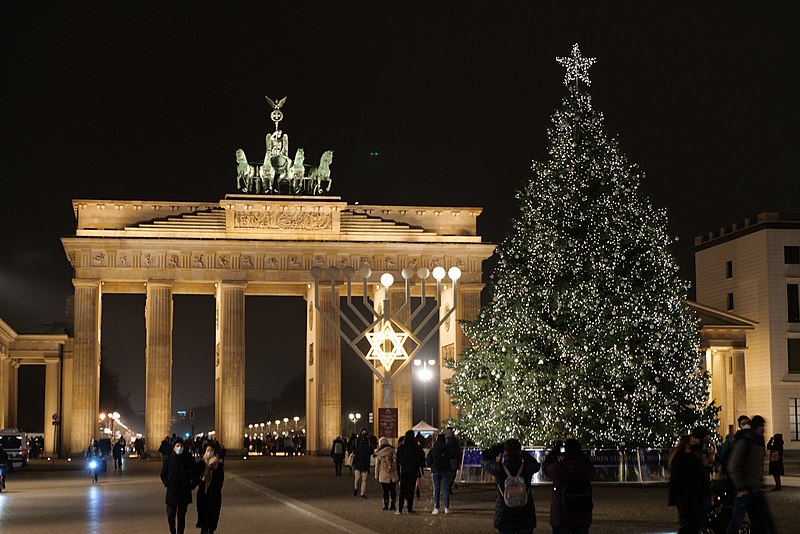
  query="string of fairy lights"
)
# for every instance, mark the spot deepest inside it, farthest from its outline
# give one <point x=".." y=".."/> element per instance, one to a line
<point x="588" y="334"/>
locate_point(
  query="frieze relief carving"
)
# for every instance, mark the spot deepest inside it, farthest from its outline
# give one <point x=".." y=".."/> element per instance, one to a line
<point x="448" y="352"/>
<point x="99" y="259"/>
<point x="413" y="262"/>
<point x="71" y="258"/>
<point x="223" y="262"/>
<point x="149" y="260"/>
<point x="283" y="220"/>
<point x="343" y="261"/>
<point x="246" y="262"/>
<point x="295" y="262"/>
<point x="319" y="261"/>
<point x="174" y="261"/>
<point x="390" y="263"/>
<point x="447" y="322"/>
<point x="271" y="263"/>
<point x="198" y="260"/>
<point x="123" y="260"/>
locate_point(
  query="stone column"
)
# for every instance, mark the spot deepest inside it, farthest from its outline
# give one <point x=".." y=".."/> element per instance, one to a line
<point x="5" y="389"/>
<point x="86" y="363"/>
<point x="719" y="386"/>
<point x="402" y="391"/>
<point x="52" y="387"/>
<point x="158" y="363"/>
<point x="230" y="366"/>
<point x="323" y="374"/>
<point x="739" y="384"/>
<point x="452" y="341"/>
<point x="13" y="392"/>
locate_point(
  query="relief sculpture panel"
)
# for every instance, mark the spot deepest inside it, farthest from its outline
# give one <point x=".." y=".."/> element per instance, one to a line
<point x="284" y="220"/>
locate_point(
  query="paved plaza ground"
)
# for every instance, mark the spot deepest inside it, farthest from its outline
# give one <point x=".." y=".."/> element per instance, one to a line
<point x="301" y="495"/>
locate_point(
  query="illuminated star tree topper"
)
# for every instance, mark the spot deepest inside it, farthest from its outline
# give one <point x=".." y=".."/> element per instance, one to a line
<point x="577" y="67"/>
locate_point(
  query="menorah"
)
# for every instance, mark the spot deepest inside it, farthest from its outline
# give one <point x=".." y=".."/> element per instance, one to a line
<point x="385" y="332"/>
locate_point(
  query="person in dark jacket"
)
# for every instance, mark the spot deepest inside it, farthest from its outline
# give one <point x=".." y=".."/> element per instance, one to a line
<point x="561" y="469"/>
<point x="746" y="472"/>
<point x="165" y="449"/>
<point x="362" y="452"/>
<point x="410" y="460"/>
<point x="518" y="520"/>
<point x="209" y="491"/>
<point x="455" y="455"/>
<point x="178" y="474"/>
<point x="438" y="460"/>
<point x="775" y="448"/>
<point x="338" y="450"/>
<point x="116" y="453"/>
<point x="689" y="488"/>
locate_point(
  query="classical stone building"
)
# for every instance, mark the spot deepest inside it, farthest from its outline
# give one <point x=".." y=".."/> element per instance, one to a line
<point x="753" y="270"/>
<point x="42" y="345"/>
<point x="252" y="245"/>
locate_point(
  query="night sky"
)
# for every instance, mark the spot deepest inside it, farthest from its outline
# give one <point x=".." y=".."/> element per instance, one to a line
<point x="150" y="101"/>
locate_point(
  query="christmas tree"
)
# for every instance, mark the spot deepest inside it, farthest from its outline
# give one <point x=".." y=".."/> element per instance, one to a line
<point x="588" y="334"/>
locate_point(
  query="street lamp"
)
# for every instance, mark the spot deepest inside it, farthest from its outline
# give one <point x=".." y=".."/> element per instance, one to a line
<point x="425" y="375"/>
<point x="296" y="419"/>
<point x="285" y="422"/>
<point x="354" y="418"/>
<point x="277" y="425"/>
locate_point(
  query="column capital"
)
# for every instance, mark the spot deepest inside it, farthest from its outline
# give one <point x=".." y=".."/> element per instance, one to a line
<point x="15" y="363"/>
<point x="86" y="282"/>
<point x="233" y="284"/>
<point x="159" y="283"/>
<point x="51" y="359"/>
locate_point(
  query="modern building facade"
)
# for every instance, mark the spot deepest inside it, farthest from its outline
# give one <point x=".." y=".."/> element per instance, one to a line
<point x="752" y="270"/>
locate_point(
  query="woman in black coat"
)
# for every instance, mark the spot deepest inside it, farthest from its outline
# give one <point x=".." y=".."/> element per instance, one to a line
<point x="209" y="492"/>
<point x="506" y="519"/>
<point x="179" y="476"/>
<point x="775" y="448"/>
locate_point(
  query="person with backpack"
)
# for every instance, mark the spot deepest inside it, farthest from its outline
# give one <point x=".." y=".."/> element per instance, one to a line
<point x="438" y="460"/>
<point x="337" y="453"/>
<point x="386" y="472"/>
<point x="571" y="498"/>
<point x="513" y="470"/>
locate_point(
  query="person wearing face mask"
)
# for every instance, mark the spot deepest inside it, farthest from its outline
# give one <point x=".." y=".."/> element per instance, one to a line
<point x="362" y="451"/>
<point x="178" y="474"/>
<point x="209" y="492"/>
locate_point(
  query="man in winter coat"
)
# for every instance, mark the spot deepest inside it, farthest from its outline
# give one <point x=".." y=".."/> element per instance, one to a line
<point x="362" y="452"/>
<point x="520" y="519"/>
<point x="165" y="449"/>
<point x="438" y="460"/>
<point x="178" y="474"/>
<point x="571" y="498"/>
<point x="386" y="472"/>
<point x="455" y="455"/>
<point x="746" y="471"/>
<point x="410" y="460"/>
<point x="116" y="452"/>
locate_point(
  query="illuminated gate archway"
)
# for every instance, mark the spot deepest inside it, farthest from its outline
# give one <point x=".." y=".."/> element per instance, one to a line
<point x="252" y="245"/>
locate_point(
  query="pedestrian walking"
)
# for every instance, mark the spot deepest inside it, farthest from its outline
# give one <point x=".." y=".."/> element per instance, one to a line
<point x="209" y="490"/>
<point x="775" y="448"/>
<point x="117" y="452"/>
<point x="438" y="459"/>
<point x="410" y="460"/>
<point x="513" y="470"/>
<point x="178" y="474"/>
<point x="386" y="472"/>
<point x="337" y="453"/>
<point x="571" y="499"/>
<point x="746" y="471"/>
<point x="165" y="449"/>
<point x="455" y="455"/>
<point x="362" y="452"/>
<point x="689" y="489"/>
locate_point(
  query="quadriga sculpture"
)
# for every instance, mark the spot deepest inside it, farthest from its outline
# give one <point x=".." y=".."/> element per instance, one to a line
<point x="244" y="173"/>
<point x="322" y="173"/>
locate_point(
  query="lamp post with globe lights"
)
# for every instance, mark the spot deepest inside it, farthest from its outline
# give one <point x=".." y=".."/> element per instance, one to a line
<point x="354" y="418"/>
<point x="425" y="374"/>
<point x="285" y="422"/>
<point x="296" y="419"/>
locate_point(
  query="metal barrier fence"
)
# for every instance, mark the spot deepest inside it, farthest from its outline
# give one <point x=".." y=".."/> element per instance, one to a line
<point x="644" y="466"/>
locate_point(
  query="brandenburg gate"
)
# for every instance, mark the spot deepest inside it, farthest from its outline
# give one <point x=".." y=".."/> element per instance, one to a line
<point x="246" y="245"/>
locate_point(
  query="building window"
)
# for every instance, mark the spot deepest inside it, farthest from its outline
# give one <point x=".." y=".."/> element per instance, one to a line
<point x="793" y="346"/>
<point x="791" y="254"/>
<point x="730" y="301"/>
<point x="793" y="300"/>
<point x="729" y="269"/>
<point x="794" y="419"/>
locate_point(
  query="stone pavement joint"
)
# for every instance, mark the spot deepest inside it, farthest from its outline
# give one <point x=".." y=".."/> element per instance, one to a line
<point x="327" y="519"/>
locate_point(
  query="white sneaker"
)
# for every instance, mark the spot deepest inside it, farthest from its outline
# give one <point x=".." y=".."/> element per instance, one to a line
<point x="435" y="511"/>
<point x="447" y="510"/>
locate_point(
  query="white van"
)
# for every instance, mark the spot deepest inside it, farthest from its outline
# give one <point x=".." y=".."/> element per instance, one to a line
<point x="15" y="443"/>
